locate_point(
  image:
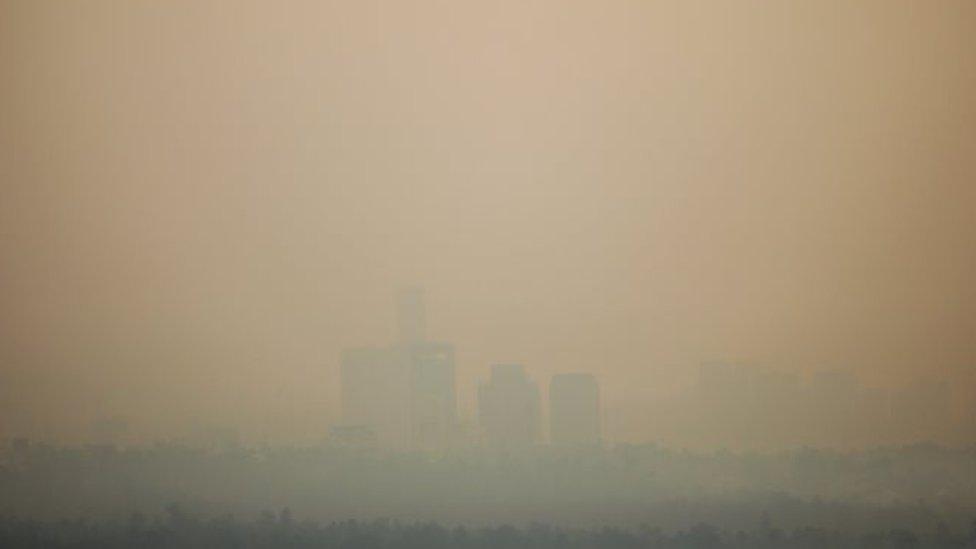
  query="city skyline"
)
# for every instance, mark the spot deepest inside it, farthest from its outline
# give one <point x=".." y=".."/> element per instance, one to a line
<point x="749" y="406"/>
<point x="583" y="274"/>
<point x="403" y="396"/>
<point x="202" y="210"/>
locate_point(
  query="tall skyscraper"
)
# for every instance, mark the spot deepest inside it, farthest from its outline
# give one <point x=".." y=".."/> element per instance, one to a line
<point x="574" y="410"/>
<point x="404" y="393"/>
<point x="433" y="399"/>
<point x="509" y="408"/>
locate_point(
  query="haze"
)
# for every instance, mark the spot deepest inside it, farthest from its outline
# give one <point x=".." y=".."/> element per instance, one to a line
<point x="204" y="203"/>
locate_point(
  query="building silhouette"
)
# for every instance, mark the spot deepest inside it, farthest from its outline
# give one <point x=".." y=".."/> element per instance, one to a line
<point x="509" y="408"/>
<point x="432" y="394"/>
<point x="404" y="394"/>
<point x="574" y="410"/>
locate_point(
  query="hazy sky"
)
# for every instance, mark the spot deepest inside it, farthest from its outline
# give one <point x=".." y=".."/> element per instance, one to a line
<point x="203" y="202"/>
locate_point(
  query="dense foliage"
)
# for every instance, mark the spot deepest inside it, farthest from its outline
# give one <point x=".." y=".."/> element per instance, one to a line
<point x="627" y="496"/>
<point x="179" y="530"/>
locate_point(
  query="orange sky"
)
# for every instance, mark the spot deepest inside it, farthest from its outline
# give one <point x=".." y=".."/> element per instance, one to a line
<point x="203" y="202"/>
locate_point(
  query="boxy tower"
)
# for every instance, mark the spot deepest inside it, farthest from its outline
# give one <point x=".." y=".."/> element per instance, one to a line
<point x="404" y="393"/>
<point x="508" y="408"/>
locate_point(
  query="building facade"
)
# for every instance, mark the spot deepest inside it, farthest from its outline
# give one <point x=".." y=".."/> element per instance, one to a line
<point x="404" y="393"/>
<point x="509" y="408"/>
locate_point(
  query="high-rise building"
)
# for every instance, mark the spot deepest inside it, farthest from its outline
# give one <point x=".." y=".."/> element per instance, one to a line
<point x="433" y="400"/>
<point x="404" y="393"/>
<point x="574" y="410"/>
<point x="508" y="408"/>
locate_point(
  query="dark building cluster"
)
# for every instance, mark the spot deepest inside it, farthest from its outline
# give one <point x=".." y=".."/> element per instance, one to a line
<point x="403" y="396"/>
